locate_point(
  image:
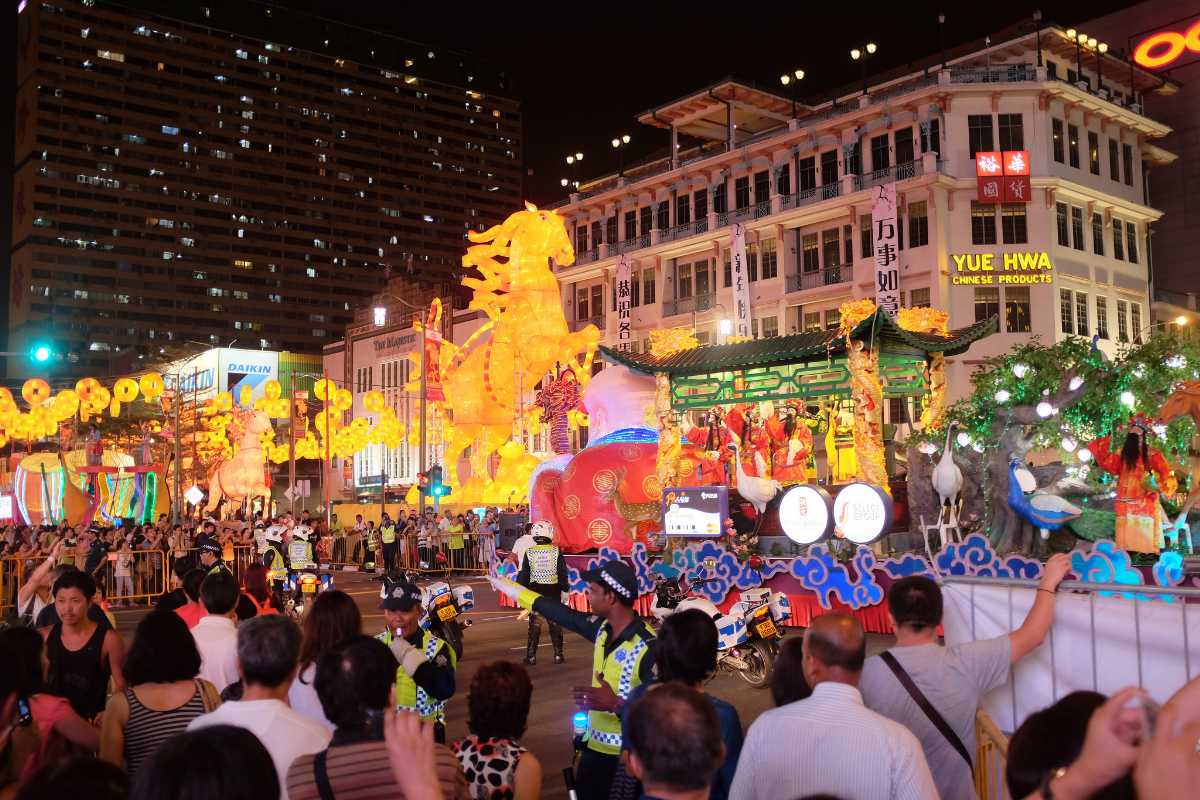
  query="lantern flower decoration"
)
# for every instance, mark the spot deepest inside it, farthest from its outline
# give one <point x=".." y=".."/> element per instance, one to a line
<point x="151" y="386"/>
<point x="374" y="401"/>
<point x="556" y="400"/>
<point x="273" y="389"/>
<point x="35" y="391"/>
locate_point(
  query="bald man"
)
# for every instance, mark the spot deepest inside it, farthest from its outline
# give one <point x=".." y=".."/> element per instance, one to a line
<point x="830" y="743"/>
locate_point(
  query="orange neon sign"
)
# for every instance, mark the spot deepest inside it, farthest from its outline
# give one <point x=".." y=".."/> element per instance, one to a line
<point x="1167" y="47"/>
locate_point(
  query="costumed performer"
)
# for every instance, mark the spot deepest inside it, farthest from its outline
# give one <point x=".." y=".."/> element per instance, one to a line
<point x="1139" y="513"/>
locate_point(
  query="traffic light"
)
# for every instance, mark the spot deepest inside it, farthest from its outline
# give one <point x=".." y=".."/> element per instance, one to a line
<point x="423" y="481"/>
<point x="436" y="487"/>
<point x="41" y="352"/>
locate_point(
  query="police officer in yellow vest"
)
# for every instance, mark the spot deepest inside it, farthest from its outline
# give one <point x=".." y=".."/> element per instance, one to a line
<point x="544" y="570"/>
<point x="387" y="534"/>
<point x="425" y="679"/>
<point x="622" y="660"/>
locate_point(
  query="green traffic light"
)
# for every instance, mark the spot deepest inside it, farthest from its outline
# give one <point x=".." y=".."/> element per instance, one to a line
<point x="41" y="353"/>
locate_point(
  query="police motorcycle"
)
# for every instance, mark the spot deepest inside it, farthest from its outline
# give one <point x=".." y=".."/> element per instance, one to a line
<point x="303" y="582"/>
<point x="747" y="636"/>
<point x="443" y="610"/>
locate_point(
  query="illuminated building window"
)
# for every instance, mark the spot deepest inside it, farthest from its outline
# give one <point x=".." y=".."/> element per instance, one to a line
<point x="111" y="55"/>
<point x="1017" y="309"/>
<point x="243" y="263"/>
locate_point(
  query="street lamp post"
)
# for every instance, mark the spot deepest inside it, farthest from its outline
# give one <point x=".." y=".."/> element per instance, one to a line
<point x="792" y="80"/>
<point x="573" y="160"/>
<point x="1080" y="38"/>
<point x="861" y="54"/>
<point x="618" y="143"/>
<point x="380" y="321"/>
<point x="1101" y="48"/>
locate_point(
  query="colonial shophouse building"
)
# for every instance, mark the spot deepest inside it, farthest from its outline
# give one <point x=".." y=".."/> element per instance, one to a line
<point x="802" y="180"/>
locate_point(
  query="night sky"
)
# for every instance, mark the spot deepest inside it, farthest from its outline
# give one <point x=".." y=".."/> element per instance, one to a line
<point x="583" y="71"/>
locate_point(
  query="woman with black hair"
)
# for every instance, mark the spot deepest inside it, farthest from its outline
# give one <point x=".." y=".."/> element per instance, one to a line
<point x="221" y="761"/>
<point x="164" y="694"/>
<point x="686" y="653"/>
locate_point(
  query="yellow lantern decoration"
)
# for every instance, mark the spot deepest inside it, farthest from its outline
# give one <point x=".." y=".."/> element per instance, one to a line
<point x="224" y="401"/>
<point x="114" y="408"/>
<point x="6" y="398"/>
<point x="65" y="405"/>
<point x="35" y="391"/>
<point x="273" y="389"/>
<point x="374" y="401"/>
<point x="343" y="400"/>
<point x="151" y="386"/>
<point x="125" y="390"/>
<point x="246" y="396"/>
<point x="324" y="388"/>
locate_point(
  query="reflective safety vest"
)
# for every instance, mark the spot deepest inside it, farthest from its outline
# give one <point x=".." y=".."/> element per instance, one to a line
<point x="300" y="554"/>
<point x="388" y="533"/>
<point x="273" y="560"/>
<point x="621" y="671"/>
<point x="409" y="696"/>
<point x="543" y="564"/>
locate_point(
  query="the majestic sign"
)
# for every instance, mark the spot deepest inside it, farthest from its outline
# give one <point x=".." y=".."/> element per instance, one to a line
<point x="887" y="252"/>
<point x="1018" y="268"/>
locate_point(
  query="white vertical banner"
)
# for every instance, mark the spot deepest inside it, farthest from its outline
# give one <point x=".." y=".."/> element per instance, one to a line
<point x="741" y="282"/>
<point x="624" y="322"/>
<point x="887" y="254"/>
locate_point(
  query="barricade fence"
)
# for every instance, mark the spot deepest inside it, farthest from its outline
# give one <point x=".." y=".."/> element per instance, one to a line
<point x="440" y="553"/>
<point x="1105" y="636"/>
<point x="991" y="757"/>
<point x="126" y="576"/>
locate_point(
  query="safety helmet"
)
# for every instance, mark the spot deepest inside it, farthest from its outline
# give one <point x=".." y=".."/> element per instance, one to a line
<point x="302" y="533"/>
<point x="275" y="534"/>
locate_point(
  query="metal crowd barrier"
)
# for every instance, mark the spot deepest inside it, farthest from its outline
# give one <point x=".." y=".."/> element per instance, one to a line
<point x="149" y="574"/>
<point x="441" y="553"/>
<point x="991" y="757"/>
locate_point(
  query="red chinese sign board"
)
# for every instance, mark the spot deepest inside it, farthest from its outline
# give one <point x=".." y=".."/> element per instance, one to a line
<point x="1003" y="177"/>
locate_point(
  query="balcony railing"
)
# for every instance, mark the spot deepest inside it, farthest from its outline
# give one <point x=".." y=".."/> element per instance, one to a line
<point x="762" y="209"/>
<point x="697" y="303"/>
<point x="1007" y="73"/>
<point x="579" y="324"/>
<point x="829" y="276"/>
<point x="587" y="256"/>
<point x="636" y="243"/>
<point x="899" y="172"/>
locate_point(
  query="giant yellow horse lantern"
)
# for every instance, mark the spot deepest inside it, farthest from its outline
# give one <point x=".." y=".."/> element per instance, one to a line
<point x="493" y="374"/>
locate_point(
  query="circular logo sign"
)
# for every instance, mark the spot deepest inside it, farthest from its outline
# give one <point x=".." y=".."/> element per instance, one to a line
<point x="570" y="506"/>
<point x="806" y="514"/>
<point x="604" y="481"/>
<point x="599" y="530"/>
<point x="862" y="512"/>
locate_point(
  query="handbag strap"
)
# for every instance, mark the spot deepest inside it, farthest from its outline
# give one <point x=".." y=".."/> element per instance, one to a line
<point x="923" y="703"/>
<point x="321" y="775"/>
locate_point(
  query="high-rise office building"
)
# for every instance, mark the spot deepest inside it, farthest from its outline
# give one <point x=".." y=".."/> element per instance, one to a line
<point x="236" y="171"/>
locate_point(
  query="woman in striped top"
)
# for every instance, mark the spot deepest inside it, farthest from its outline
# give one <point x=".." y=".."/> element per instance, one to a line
<point x="164" y="694"/>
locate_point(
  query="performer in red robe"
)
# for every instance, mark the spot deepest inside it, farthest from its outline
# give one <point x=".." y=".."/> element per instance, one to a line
<point x="746" y="423"/>
<point x="791" y="443"/>
<point x="1139" y="513"/>
<point x="712" y="440"/>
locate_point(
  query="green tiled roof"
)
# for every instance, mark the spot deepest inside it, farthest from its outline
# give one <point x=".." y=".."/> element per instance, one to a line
<point x="811" y="345"/>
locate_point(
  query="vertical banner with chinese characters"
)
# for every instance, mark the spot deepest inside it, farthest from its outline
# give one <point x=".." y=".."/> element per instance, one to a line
<point x="887" y="263"/>
<point x="741" y="283"/>
<point x="624" y="322"/>
<point x="1002" y="177"/>
<point x="433" y="366"/>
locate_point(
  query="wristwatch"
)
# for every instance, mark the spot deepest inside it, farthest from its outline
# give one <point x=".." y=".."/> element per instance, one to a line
<point x="1047" y="792"/>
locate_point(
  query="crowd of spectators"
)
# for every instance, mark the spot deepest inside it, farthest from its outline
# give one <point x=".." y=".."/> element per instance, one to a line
<point x="446" y="540"/>
<point x="206" y="703"/>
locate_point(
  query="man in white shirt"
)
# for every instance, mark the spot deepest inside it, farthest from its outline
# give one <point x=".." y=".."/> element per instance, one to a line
<point x="950" y="679"/>
<point x="830" y="743"/>
<point x="216" y="632"/>
<point x="268" y="652"/>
